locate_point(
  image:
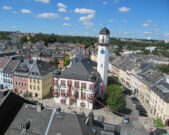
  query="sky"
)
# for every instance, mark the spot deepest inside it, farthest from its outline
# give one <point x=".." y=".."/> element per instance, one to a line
<point x="146" y="19"/>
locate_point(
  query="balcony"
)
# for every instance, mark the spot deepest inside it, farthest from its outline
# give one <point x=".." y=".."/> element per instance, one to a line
<point x="55" y="93"/>
<point x="91" y="100"/>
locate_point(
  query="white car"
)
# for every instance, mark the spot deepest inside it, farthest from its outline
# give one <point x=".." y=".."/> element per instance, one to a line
<point x="126" y="119"/>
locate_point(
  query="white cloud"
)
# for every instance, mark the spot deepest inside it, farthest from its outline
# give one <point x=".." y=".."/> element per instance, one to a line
<point x="105" y="2"/>
<point x="124" y="9"/>
<point x="148" y="38"/>
<point x="14" y="12"/>
<point x="43" y="1"/>
<point x="48" y="15"/>
<point x="86" y="18"/>
<point x="25" y="11"/>
<point x="156" y="30"/>
<point x="149" y="21"/>
<point x="6" y="8"/>
<point x="66" y="24"/>
<point x="63" y="10"/>
<point x="145" y="25"/>
<point x="147" y="32"/>
<point x="84" y="11"/>
<point x="111" y="21"/>
<point x="61" y="5"/>
<point x="66" y="18"/>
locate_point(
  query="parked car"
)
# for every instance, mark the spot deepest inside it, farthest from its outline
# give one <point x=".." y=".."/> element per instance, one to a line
<point x="133" y="98"/>
<point x="136" y="102"/>
<point x="126" y="92"/>
<point x="141" y="113"/>
<point x="142" y="110"/>
<point x="139" y="107"/>
<point x="126" y="119"/>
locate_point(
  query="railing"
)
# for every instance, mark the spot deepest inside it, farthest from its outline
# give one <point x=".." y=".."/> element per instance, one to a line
<point x="91" y="100"/>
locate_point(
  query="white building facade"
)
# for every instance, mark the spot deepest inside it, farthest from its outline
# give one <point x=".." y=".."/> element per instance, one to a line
<point x="74" y="92"/>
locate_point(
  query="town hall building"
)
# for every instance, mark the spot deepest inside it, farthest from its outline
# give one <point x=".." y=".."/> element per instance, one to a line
<point x="81" y="83"/>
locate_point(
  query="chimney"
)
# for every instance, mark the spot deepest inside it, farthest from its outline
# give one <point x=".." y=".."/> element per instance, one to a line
<point x="39" y="107"/>
<point x="25" y="126"/>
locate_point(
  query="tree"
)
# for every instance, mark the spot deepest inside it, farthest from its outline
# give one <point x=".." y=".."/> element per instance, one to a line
<point x="23" y="40"/>
<point x="66" y="61"/>
<point x="115" y="98"/>
<point x="164" y="68"/>
<point x="54" y="62"/>
<point x="158" y="123"/>
<point x="112" y="80"/>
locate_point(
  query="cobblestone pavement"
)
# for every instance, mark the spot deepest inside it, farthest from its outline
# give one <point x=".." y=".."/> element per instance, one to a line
<point x="108" y="117"/>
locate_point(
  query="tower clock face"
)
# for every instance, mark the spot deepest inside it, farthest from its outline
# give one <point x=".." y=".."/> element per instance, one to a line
<point x="102" y="51"/>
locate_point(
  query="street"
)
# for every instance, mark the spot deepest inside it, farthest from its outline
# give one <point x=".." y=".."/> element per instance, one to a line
<point x="134" y="127"/>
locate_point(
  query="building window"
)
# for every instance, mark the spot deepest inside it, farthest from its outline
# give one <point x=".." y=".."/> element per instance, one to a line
<point x="34" y="80"/>
<point x="34" y="87"/>
<point x="91" y="86"/>
<point x="25" y="84"/>
<point x="76" y="84"/>
<point x="83" y="85"/>
<point x="69" y="82"/>
<point x="83" y="96"/>
<point x="16" y="83"/>
<point x="55" y="82"/>
<point x="63" y="83"/>
<point x="90" y="96"/>
<point x="62" y="92"/>
<point x="36" y="94"/>
<point x="30" y="79"/>
<point x="38" y="88"/>
<point x="22" y="84"/>
<point x="30" y="86"/>
<point x="38" y="81"/>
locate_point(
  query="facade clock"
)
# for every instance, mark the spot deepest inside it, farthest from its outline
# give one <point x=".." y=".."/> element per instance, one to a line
<point x="102" y="51"/>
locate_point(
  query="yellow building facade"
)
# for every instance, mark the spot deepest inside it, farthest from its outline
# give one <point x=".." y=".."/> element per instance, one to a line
<point x="40" y="87"/>
<point x="40" y="79"/>
<point x="159" y="107"/>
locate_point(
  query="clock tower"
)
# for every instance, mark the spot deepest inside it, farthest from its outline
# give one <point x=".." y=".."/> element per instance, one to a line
<point x="103" y="55"/>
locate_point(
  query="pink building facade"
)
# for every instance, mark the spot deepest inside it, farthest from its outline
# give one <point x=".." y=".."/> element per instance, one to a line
<point x="20" y="84"/>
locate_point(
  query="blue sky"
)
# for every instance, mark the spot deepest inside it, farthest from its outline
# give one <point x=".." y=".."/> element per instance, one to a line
<point x="147" y="19"/>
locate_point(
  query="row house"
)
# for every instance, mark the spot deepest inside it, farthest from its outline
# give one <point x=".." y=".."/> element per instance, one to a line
<point x="8" y="73"/>
<point x="40" y="79"/>
<point x="20" y="76"/>
<point x="149" y="78"/>
<point x="77" y="85"/>
<point x="135" y="83"/>
<point x="159" y="101"/>
<point x="3" y="63"/>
